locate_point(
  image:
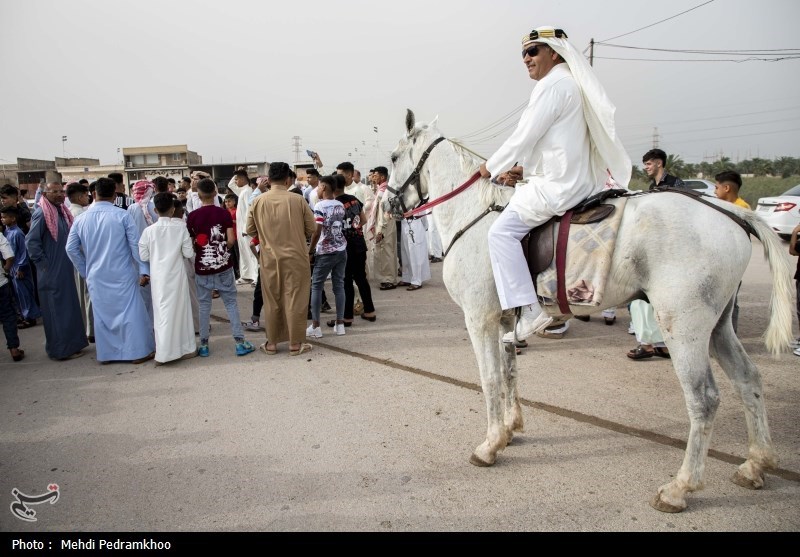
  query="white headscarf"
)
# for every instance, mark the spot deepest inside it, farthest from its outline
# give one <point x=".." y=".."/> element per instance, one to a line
<point x="607" y="152"/>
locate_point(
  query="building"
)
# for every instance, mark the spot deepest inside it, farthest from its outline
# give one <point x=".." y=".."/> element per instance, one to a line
<point x="75" y="169"/>
<point x="170" y="161"/>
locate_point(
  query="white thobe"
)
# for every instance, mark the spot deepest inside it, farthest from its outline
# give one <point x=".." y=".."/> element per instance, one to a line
<point x="80" y="282"/>
<point x="165" y="245"/>
<point x="434" y="240"/>
<point x="414" y="245"/>
<point x="193" y="201"/>
<point x="248" y="265"/>
<point x="551" y="142"/>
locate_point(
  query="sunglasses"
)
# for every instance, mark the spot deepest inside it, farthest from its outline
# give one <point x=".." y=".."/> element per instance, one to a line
<point x="531" y="51"/>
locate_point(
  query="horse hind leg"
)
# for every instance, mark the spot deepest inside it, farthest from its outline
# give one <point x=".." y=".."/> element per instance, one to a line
<point x="485" y="342"/>
<point x="693" y="367"/>
<point x="746" y="380"/>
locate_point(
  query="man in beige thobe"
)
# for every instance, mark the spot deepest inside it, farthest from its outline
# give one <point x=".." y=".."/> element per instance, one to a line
<point x="282" y="221"/>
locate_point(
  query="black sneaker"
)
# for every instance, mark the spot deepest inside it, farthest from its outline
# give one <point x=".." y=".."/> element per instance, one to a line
<point x="326" y="307"/>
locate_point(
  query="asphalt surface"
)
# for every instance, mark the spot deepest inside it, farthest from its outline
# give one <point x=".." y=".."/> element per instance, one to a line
<point x="372" y="432"/>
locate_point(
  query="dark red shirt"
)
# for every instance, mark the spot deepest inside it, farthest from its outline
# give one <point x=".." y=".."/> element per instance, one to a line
<point x="208" y="227"/>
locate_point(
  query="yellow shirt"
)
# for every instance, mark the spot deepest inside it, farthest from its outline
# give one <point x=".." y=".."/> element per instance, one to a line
<point x="741" y="203"/>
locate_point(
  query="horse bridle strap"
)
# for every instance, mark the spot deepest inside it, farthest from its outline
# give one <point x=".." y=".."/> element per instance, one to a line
<point x="439" y="200"/>
<point x="414" y="176"/>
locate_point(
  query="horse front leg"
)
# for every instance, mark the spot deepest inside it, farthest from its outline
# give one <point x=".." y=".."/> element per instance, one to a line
<point x="485" y="341"/>
<point x="513" y="411"/>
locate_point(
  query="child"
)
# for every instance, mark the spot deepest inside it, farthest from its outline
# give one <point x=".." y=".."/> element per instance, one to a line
<point x="10" y="197"/>
<point x="231" y="202"/>
<point x="21" y="276"/>
<point x="212" y="230"/>
<point x="728" y="184"/>
<point x="329" y="251"/>
<point x="165" y="244"/>
<point x="188" y="264"/>
<point x="7" y="315"/>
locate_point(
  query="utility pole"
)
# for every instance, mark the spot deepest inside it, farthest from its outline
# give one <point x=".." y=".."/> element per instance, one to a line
<point x="655" y="137"/>
<point x="591" y="52"/>
<point x="63" y="146"/>
<point x="296" y="146"/>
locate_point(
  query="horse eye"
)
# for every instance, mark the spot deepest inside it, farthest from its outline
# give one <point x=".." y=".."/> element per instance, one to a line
<point x="394" y="159"/>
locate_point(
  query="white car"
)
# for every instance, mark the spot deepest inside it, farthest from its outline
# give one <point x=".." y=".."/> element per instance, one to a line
<point x="701" y="186"/>
<point x="781" y="213"/>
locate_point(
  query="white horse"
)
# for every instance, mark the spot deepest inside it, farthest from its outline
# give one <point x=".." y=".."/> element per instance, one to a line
<point x="687" y="258"/>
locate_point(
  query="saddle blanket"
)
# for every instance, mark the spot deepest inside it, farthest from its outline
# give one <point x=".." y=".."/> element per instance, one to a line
<point x="589" y="252"/>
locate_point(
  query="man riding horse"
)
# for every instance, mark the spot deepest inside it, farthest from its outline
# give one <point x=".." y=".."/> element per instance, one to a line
<point x="566" y="146"/>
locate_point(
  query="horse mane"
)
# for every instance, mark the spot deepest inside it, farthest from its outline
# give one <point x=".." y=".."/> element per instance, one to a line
<point x="489" y="194"/>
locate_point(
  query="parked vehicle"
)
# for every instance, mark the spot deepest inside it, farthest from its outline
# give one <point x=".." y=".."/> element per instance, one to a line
<point x="781" y="213"/>
<point x="701" y="186"/>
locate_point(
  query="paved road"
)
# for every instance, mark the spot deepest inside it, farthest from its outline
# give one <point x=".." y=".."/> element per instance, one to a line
<point x="373" y="431"/>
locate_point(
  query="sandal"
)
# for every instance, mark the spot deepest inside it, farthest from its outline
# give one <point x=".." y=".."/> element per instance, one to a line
<point x="17" y="354"/>
<point x="304" y="347"/>
<point x="662" y="352"/>
<point x="403" y="283"/>
<point x="640" y="353"/>
<point x="267" y="351"/>
<point x="414" y="287"/>
<point x="26" y="323"/>
<point x="371" y="318"/>
<point x="387" y="286"/>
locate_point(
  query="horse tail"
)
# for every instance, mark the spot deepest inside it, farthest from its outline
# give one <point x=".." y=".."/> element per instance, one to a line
<point x="778" y="336"/>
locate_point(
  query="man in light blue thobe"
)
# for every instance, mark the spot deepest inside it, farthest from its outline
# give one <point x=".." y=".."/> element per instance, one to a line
<point x="104" y="247"/>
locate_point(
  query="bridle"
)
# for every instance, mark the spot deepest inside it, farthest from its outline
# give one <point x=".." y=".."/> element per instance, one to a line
<point x="413" y="179"/>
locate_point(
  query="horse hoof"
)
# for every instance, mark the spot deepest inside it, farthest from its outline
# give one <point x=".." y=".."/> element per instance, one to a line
<point x="659" y="504"/>
<point x="475" y="460"/>
<point x="748" y="483"/>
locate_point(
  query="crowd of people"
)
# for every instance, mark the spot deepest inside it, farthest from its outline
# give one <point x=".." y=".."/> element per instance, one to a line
<point x="136" y="274"/>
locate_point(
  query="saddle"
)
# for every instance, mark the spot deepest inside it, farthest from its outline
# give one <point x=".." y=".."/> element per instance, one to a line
<point x="539" y="245"/>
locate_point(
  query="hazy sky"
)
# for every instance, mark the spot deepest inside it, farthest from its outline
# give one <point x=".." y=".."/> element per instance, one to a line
<point x="236" y="80"/>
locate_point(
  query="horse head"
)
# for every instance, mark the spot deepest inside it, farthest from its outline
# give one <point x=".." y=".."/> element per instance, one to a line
<point x="408" y="184"/>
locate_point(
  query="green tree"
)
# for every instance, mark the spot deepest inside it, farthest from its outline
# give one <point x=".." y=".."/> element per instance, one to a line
<point x="762" y="167"/>
<point x="675" y="166"/>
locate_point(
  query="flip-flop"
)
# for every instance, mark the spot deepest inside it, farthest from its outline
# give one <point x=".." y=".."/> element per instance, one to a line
<point x="304" y="347"/>
<point x="387" y="286"/>
<point x="414" y="287"/>
<point x="403" y="283"/>
<point x="661" y="352"/>
<point x="640" y="353"/>
<point x="266" y="351"/>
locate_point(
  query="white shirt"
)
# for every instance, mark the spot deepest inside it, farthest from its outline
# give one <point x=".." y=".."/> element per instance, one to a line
<point x="551" y="143"/>
<point x="6" y="251"/>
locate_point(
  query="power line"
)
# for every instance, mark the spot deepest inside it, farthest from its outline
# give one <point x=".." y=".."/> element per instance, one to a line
<point x="656" y="23"/>
<point x="690" y="60"/>
<point x="495" y="123"/>
<point x="733" y="52"/>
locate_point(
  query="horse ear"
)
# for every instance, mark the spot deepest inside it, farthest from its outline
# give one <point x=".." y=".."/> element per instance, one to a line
<point x="410" y="120"/>
<point x="433" y="123"/>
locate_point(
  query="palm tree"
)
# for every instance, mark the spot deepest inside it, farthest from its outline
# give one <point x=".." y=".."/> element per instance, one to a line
<point x="675" y="165"/>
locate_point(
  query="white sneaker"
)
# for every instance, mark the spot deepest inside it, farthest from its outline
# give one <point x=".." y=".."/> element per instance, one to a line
<point x="252" y="326"/>
<point x="314" y="332"/>
<point x="796" y="351"/>
<point x="338" y="329"/>
<point x="531" y="322"/>
<point x="630" y="329"/>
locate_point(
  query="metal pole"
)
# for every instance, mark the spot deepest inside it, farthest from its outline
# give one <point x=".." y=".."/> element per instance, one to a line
<point x="591" y="52"/>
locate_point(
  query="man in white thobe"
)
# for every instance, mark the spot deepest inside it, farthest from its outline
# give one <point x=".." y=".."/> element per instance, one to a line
<point x="566" y="145"/>
<point x="414" y="246"/>
<point x="240" y="186"/>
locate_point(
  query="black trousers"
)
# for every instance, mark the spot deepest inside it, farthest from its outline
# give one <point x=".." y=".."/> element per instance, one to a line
<point x="356" y="271"/>
<point x="8" y="315"/>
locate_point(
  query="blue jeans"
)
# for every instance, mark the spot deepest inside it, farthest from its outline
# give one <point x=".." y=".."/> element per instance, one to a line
<point x="225" y="284"/>
<point x="333" y="263"/>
